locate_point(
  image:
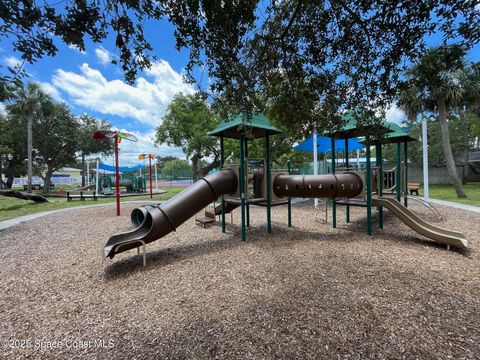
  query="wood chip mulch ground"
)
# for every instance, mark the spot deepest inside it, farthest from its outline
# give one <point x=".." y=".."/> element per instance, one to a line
<point x="304" y="292"/>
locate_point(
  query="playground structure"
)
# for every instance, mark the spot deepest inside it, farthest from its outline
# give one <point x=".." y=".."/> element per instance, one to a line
<point x="253" y="183"/>
<point x="131" y="183"/>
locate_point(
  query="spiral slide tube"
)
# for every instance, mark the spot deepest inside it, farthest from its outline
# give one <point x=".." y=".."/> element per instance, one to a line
<point x="154" y="222"/>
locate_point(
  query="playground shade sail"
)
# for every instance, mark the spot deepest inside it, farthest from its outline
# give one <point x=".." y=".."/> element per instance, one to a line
<point x="124" y="169"/>
<point x="324" y="145"/>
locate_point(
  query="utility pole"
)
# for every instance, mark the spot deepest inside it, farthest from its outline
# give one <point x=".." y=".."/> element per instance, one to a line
<point x="426" y="194"/>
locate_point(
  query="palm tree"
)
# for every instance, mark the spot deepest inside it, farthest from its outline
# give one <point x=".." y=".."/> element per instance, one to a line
<point x="27" y="103"/>
<point x="437" y="82"/>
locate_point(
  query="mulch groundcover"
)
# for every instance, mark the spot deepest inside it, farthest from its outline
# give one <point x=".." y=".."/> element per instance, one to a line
<point x="304" y="292"/>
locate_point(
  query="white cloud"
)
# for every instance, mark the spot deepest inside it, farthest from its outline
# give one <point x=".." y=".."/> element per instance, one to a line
<point x="51" y="90"/>
<point x="395" y="114"/>
<point x="12" y="61"/>
<point x="104" y="56"/>
<point x="3" y="111"/>
<point x="145" y="101"/>
<point x="73" y="47"/>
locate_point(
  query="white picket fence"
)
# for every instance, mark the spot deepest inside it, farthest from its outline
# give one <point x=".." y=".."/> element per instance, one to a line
<point x="67" y="180"/>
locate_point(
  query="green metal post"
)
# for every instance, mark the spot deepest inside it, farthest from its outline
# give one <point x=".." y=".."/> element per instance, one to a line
<point x="380" y="182"/>
<point x="369" y="188"/>
<point x="242" y="186"/>
<point x="405" y="155"/>
<point x="222" y="163"/>
<point x="269" y="191"/>
<point x="246" y="185"/>
<point x="334" y="203"/>
<point x="289" y="201"/>
<point x="398" y="172"/>
<point x="347" y="210"/>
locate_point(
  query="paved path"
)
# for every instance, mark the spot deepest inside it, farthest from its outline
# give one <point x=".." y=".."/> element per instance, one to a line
<point x="18" y="220"/>
<point x="456" y="205"/>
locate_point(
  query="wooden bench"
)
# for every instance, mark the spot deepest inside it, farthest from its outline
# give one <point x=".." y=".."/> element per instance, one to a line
<point x="81" y="195"/>
<point x="413" y="188"/>
<point x="34" y="186"/>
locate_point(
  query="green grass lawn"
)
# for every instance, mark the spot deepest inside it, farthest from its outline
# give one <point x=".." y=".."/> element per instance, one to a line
<point x="12" y="207"/>
<point x="447" y="192"/>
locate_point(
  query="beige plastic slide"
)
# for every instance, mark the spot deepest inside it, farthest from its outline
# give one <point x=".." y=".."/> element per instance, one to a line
<point x="444" y="236"/>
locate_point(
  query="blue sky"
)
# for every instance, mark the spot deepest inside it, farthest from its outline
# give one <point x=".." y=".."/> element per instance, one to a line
<point x="90" y="84"/>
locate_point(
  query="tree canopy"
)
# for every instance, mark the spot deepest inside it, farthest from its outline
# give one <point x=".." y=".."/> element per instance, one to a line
<point x="320" y="56"/>
<point x="441" y="82"/>
<point x="58" y="138"/>
<point x="185" y="125"/>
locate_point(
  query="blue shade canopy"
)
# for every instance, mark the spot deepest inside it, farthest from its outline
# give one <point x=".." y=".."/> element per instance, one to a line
<point x="324" y="145"/>
<point x="125" y="169"/>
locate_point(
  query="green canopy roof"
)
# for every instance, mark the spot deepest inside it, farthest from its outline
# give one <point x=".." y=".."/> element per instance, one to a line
<point x="257" y="126"/>
<point x="351" y="128"/>
<point x="396" y="135"/>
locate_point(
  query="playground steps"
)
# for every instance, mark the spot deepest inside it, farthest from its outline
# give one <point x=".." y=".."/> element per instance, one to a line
<point x="213" y="211"/>
<point x="207" y="219"/>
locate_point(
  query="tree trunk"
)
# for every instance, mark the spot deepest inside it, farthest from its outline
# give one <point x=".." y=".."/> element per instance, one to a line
<point x="83" y="169"/>
<point x="205" y="170"/>
<point x="10" y="179"/>
<point x="2" y="184"/>
<point x="29" y="152"/>
<point x="195" y="160"/>
<point x="447" y="149"/>
<point x="23" y="196"/>
<point x="47" y="181"/>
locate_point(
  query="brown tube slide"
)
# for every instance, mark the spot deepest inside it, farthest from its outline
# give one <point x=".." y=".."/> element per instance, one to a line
<point x="153" y="222"/>
<point x="346" y="185"/>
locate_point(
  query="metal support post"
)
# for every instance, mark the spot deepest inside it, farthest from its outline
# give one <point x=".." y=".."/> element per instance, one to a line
<point x="405" y="156"/>
<point x="246" y="184"/>
<point x="369" y="188"/>
<point x="334" y="203"/>
<point x="269" y="189"/>
<point x="398" y="174"/>
<point x="222" y="164"/>
<point x="347" y="210"/>
<point x="242" y="186"/>
<point x="426" y="194"/>
<point x="380" y="181"/>
<point x="289" y="199"/>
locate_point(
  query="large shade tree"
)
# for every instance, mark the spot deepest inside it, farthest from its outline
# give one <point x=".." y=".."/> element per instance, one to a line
<point x="13" y="149"/>
<point x="55" y="142"/>
<point x="185" y="125"/>
<point x="441" y="82"/>
<point x="29" y="104"/>
<point x="317" y="56"/>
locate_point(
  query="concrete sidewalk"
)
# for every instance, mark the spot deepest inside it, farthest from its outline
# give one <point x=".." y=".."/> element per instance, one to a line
<point x="18" y="220"/>
<point x="456" y="205"/>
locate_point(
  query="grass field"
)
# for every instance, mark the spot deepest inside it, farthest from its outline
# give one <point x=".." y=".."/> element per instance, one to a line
<point x="447" y="193"/>
<point x="12" y="207"/>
